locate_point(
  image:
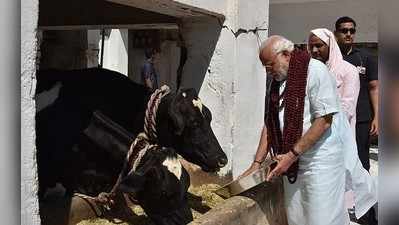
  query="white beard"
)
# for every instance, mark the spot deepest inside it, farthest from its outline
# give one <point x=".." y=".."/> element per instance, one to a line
<point x="281" y="75"/>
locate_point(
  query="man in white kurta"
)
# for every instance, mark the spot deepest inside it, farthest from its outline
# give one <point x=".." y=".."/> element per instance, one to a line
<point x="317" y="196"/>
<point x="320" y="176"/>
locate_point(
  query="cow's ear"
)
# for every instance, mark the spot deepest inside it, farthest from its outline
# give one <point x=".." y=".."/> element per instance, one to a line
<point x="192" y="92"/>
<point x="175" y="113"/>
<point x="132" y="184"/>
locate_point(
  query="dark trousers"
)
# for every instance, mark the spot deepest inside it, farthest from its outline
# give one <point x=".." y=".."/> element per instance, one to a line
<point x="363" y="142"/>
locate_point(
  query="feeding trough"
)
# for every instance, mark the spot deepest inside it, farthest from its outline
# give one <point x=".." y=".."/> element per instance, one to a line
<point x="262" y="204"/>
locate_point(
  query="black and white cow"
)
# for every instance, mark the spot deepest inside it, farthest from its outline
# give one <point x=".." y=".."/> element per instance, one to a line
<point x="159" y="183"/>
<point x="66" y="101"/>
<point x="160" y="186"/>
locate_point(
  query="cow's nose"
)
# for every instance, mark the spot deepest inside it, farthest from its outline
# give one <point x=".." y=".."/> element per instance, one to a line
<point x="222" y="161"/>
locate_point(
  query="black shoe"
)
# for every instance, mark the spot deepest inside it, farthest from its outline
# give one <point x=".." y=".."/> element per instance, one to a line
<point x="369" y="218"/>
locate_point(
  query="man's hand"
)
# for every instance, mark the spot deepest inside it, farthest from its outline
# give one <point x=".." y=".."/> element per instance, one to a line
<point x="374" y="127"/>
<point x="284" y="161"/>
<point x="254" y="166"/>
<point x="373" y="92"/>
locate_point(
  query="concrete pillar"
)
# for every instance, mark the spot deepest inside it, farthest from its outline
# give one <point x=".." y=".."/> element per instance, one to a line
<point x="249" y="83"/>
<point x="93" y="48"/>
<point x="168" y="63"/>
<point x="29" y="184"/>
<point x="223" y="65"/>
<point x="210" y="69"/>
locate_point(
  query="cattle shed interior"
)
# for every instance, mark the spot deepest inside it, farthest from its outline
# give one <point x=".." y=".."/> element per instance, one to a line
<point x="71" y="38"/>
<point x="111" y="34"/>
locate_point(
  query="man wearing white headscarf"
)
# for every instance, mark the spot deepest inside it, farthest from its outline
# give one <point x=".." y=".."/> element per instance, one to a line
<point x="323" y="46"/>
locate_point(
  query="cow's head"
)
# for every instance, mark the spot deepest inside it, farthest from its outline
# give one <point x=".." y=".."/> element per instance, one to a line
<point x="192" y="131"/>
<point x="160" y="184"/>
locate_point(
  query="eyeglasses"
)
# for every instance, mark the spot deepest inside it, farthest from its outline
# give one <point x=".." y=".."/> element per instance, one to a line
<point x="346" y="30"/>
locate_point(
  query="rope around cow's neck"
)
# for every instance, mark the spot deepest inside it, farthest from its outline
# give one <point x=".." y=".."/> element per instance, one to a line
<point x="142" y="142"/>
<point x="140" y="145"/>
<point x="151" y="112"/>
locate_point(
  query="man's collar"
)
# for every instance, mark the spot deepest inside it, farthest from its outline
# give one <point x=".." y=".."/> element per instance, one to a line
<point x="352" y="50"/>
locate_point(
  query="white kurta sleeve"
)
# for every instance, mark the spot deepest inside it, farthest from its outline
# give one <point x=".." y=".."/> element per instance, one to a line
<point x="322" y="90"/>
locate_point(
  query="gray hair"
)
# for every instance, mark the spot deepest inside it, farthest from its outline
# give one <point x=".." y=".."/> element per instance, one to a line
<point x="280" y="44"/>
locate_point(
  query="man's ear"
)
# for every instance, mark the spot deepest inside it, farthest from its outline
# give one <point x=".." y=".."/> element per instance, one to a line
<point x="175" y="113"/>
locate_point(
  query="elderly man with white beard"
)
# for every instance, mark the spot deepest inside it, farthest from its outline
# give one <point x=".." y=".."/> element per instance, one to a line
<point x="302" y="130"/>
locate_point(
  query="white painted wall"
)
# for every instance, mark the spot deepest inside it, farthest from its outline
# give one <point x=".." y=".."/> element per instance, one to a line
<point x="249" y="85"/>
<point x="295" y="18"/>
<point x="234" y="83"/>
<point x="29" y="184"/>
<point x="216" y="88"/>
<point x="116" y="51"/>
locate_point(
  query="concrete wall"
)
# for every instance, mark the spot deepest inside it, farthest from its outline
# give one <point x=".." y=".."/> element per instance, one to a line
<point x="225" y="68"/>
<point x="116" y="51"/>
<point x="29" y="185"/>
<point x="93" y="48"/>
<point x="168" y="63"/>
<point x="249" y="84"/>
<point x="295" y="18"/>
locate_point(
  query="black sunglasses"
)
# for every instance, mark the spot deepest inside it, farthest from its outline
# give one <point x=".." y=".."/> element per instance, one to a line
<point x="346" y="30"/>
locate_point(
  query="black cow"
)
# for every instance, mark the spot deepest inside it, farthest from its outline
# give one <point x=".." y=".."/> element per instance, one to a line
<point x="66" y="101"/>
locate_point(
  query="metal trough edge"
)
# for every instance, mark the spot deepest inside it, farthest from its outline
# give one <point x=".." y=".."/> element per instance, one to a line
<point x="263" y="204"/>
